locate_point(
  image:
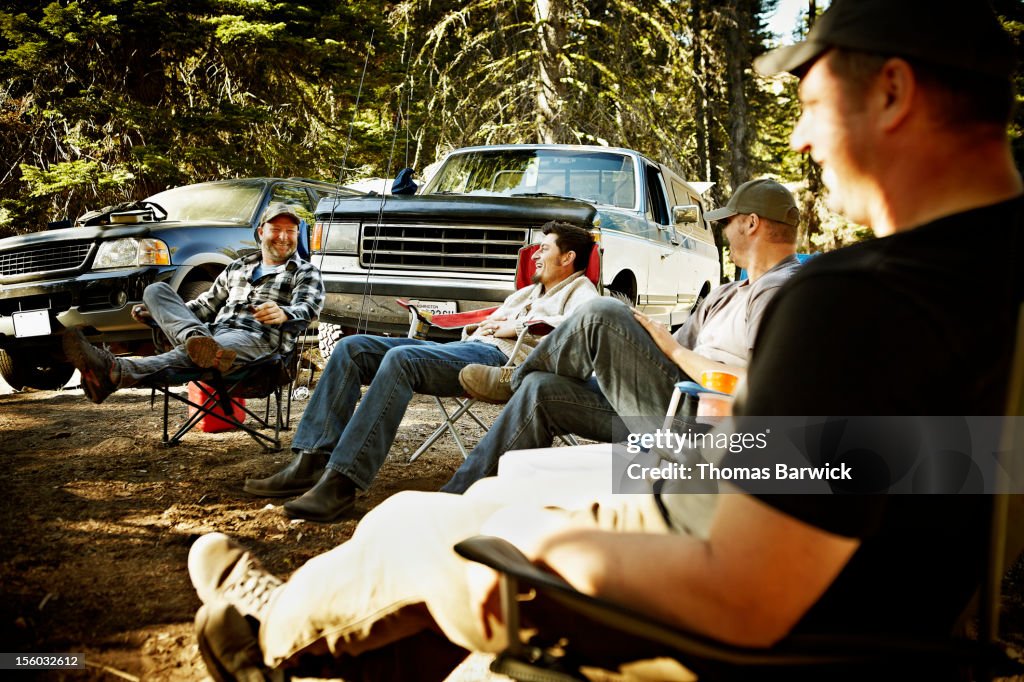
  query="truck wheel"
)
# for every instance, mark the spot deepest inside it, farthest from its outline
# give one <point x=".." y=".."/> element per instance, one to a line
<point x="191" y="290"/>
<point x="328" y="335"/>
<point x="20" y="372"/>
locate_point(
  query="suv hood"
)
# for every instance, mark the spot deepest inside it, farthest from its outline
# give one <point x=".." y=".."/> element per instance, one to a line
<point x="525" y="210"/>
<point x="89" y="233"/>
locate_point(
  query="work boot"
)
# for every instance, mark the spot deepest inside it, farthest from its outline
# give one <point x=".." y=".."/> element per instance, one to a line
<point x="300" y="475"/>
<point x="223" y="571"/>
<point x="228" y="645"/>
<point x="489" y="384"/>
<point x="333" y="496"/>
<point x="98" y="367"/>
<point x="205" y="353"/>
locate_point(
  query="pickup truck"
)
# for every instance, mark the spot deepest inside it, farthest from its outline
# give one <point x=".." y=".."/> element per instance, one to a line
<point x="452" y="246"/>
<point x="93" y="273"/>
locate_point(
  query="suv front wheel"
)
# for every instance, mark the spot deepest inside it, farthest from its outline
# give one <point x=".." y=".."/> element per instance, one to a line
<point x="21" y="371"/>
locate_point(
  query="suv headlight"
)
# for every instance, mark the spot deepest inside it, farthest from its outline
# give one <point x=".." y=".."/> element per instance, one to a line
<point x="336" y="237"/>
<point x="126" y="253"/>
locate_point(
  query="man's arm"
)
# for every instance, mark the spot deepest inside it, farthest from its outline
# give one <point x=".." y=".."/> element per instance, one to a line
<point x="748" y="584"/>
<point x="690" y="362"/>
<point x="306" y="303"/>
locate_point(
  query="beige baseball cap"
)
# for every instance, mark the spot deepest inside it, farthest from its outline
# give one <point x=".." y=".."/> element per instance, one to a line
<point x="764" y="197"/>
<point x="279" y="209"/>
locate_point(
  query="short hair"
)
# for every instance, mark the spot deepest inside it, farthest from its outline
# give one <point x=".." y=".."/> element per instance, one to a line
<point x="960" y="97"/>
<point x="779" y="232"/>
<point x="569" y="237"/>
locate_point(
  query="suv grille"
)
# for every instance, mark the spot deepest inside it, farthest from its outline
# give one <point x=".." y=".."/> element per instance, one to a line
<point x="477" y="248"/>
<point x="44" y="259"/>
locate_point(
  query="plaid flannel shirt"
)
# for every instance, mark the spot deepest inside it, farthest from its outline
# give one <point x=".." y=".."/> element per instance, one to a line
<point x="297" y="288"/>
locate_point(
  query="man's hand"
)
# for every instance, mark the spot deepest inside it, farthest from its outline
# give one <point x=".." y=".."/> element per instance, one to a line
<point x="269" y="313"/>
<point x="140" y="313"/>
<point x="660" y="334"/>
<point x="499" y="326"/>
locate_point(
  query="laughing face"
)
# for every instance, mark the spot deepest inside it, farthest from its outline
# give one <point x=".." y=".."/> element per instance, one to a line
<point x="279" y="238"/>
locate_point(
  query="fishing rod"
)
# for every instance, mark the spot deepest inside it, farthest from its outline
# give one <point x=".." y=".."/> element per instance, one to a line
<point x="302" y="392"/>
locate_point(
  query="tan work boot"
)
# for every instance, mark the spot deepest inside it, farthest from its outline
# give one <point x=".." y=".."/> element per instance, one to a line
<point x="489" y="384"/>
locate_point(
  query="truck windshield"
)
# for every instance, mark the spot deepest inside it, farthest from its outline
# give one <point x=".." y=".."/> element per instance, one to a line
<point x="598" y="177"/>
<point x="220" y="202"/>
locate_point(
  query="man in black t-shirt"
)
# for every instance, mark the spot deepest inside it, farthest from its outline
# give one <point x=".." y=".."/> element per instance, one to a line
<point x="905" y="106"/>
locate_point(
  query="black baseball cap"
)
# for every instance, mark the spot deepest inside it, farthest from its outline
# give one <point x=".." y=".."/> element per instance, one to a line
<point x="963" y="34"/>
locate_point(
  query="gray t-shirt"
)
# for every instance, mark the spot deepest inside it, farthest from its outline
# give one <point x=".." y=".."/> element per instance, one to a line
<point x="724" y="326"/>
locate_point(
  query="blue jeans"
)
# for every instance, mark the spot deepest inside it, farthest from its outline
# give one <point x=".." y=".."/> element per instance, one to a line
<point x="177" y="322"/>
<point x="602" y="339"/>
<point x="546" y="405"/>
<point x="359" y="438"/>
<point x="596" y="365"/>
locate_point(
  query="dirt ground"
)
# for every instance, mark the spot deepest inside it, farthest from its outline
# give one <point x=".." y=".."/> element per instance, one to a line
<point x="96" y="518"/>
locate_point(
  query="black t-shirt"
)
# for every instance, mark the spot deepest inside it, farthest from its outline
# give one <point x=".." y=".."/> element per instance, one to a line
<point x="917" y="323"/>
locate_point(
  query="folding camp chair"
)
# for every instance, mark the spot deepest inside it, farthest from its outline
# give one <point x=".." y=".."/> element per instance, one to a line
<point x="420" y="324"/>
<point x="266" y="378"/>
<point x="577" y="630"/>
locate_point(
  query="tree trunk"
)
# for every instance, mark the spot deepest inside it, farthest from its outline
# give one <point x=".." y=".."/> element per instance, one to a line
<point x="545" y="85"/>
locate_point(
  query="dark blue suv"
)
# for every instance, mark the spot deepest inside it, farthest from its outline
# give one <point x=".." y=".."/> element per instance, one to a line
<point x="92" y="274"/>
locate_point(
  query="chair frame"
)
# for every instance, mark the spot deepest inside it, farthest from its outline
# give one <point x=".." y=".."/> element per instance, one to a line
<point x="249" y="381"/>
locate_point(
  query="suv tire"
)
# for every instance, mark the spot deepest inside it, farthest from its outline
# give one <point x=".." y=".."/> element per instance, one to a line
<point x="21" y="373"/>
<point x="191" y="290"/>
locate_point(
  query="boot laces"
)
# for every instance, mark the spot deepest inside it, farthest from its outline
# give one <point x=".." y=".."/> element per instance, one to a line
<point x="253" y="588"/>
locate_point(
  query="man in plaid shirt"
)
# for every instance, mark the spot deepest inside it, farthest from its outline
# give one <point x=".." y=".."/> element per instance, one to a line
<point x="248" y="314"/>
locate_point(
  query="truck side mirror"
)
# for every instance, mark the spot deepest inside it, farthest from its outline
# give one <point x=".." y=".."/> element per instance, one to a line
<point x="685" y="215"/>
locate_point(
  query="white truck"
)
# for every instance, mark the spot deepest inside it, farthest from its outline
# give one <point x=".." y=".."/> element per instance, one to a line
<point x="452" y="246"/>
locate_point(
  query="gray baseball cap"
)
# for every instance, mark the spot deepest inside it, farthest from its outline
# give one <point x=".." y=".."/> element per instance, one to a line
<point x="764" y="197"/>
<point x="956" y="33"/>
<point x="279" y="209"/>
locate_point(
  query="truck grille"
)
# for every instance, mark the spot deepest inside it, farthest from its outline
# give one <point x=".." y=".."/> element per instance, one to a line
<point x="477" y="248"/>
<point x="44" y="259"/>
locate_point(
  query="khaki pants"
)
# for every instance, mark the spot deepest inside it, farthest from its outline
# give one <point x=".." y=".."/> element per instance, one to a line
<point x="399" y="566"/>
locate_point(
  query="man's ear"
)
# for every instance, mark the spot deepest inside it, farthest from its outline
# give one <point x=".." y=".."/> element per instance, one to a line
<point x="895" y="88"/>
<point x="571" y="257"/>
<point x="753" y="222"/>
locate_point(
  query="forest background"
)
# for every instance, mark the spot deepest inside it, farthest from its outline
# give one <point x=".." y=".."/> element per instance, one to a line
<point x="104" y="101"/>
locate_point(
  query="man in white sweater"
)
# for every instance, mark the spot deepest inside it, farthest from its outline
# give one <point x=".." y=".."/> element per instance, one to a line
<point x="340" y="447"/>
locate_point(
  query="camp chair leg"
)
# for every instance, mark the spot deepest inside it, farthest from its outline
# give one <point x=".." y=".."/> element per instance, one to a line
<point x="166" y="400"/>
<point x="449" y="425"/>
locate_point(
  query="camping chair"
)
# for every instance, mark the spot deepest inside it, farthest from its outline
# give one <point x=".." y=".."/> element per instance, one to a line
<point x="607" y="634"/>
<point x="420" y="323"/>
<point x="265" y="378"/>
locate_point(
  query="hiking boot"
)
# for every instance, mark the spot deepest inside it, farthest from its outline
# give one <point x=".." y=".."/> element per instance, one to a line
<point x="333" y="496"/>
<point x="300" y="475"/>
<point x="206" y="353"/>
<point x="228" y="645"/>
<point x="489" y="384"/>
<point x="97" y="366"/>
<point x="223" y="571"/>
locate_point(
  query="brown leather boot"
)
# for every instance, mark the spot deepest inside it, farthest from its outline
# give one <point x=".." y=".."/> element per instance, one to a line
<point x="300" y="475"/>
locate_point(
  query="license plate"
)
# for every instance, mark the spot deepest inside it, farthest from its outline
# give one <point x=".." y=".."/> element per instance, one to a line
<point x="436" y="307"/>
<point x="32" y="323"/>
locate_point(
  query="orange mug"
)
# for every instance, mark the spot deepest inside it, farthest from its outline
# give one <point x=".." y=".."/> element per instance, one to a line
<point x="718" y="380"/>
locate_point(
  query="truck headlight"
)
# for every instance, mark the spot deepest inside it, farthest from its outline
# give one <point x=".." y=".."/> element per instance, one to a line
<point x="335" y="237"/>
<point x="127" y="253"/>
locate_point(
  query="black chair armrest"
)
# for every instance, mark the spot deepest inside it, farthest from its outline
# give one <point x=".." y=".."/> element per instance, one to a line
<point x="638" y="635"/>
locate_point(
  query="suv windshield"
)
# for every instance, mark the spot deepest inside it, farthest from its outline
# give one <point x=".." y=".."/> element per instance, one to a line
<point x="227" y="202"/>
<point x="598" y="177"/>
